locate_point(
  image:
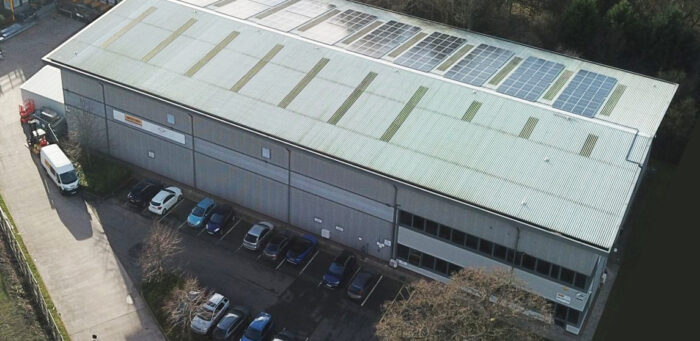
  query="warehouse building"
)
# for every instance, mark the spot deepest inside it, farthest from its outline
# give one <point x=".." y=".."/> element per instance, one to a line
<point x="411" y="141"/>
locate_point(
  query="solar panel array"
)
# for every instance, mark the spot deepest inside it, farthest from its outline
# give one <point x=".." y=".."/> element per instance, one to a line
<point x="479" y="65"/>
<point x="430" y="52"/>
<point x="296" y="15"/>
<point x="384" y="39"/>
<point x="586" y="93"/>
<point x="340" y="26"/>
<point x="244" y="8"/>
<point x="531" y="79"/>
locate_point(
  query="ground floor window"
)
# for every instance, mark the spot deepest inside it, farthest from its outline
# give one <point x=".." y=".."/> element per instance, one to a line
<point x="564" y="315"/>
<point x="426" y="261"/>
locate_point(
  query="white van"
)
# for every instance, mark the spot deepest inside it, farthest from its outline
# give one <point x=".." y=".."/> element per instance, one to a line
<point x="59" y="168"/>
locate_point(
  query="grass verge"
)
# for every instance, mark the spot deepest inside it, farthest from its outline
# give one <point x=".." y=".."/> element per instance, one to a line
<point x="155" y="294"/>
<point x="101" y="175"/>
<point x="42" y="287"/>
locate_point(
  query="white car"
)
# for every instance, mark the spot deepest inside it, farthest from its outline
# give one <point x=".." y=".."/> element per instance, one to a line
<point x="209" y="314"/>
<point x="165" y="200"/>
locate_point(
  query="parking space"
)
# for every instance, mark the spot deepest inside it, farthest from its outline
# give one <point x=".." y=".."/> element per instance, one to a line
<point x="301" y="303"/>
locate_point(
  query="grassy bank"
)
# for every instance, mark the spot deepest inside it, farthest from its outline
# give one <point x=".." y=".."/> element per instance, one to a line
<point x="101" y="175"/>
<point x="42" y="287"/>
<point x="155" y="294"/>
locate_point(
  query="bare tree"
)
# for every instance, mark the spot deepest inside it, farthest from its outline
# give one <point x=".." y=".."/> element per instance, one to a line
<point x="162" y="244"/>
<point x="183" y="304"/>
<point x="85" y="134"/>
<point x="475" y="304"/>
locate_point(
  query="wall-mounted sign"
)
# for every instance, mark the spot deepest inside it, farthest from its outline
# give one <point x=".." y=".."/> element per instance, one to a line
<point x="339" y="228"/>
<point x="318" y="220"/>
<point x="387" y="242"/>
<point x="563" y="298"/>
<point x="148" y="126"/>
<point x="325" y="233"/>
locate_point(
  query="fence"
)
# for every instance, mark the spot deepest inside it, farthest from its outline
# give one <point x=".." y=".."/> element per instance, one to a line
<point x="26" y="273"/>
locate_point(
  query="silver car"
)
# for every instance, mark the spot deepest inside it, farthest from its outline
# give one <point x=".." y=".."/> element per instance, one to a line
<point x="258" y="235"/>
<point x="209" y="314"/>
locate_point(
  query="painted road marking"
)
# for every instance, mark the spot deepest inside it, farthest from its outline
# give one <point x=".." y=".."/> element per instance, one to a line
<point x="280" y="264"/>
<point x="181" y="225"/>
<point x="238" y="248"/>
<point x="307" y="263"/>
<point x="229" y="230"/>
<point x="200" y="232"/>
<point x="319" y="284"/>
<point x="371" y="291"/>
<point x="171" y="209"/>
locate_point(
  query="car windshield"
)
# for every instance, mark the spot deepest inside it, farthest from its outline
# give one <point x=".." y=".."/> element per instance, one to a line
<point x="336" y="269"/>
<point x="251" y="238"/>
<point x="219" y="332"/>
<point x="205" y="314"/>
<point x="300" y="245"/>
<point x="198" y="211"/>
<point x="253" y="334"/>
<point x="228" y="321"/>
<point x="138" y="188"/>
<point x="68" y="177"/>
<point x="217" y="218"/>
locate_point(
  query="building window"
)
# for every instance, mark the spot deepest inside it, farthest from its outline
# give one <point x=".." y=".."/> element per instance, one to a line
<point x="555" y="271"/>
<point x="472" y="242"/>
<point x="580" y="281"/>
<point x="441" y="266"/>
<point x="567" y="276"/>
<point x="529" y="262"/>
<point x="414" y="257"/>
<point x="405" y="218"/>
<point x="427" y="261"/>
<point x="266" y="153"/>
<point x="402" y="252"/>
<point x="499" y="251"/>
<point x="445" y="232"/>
<point x="171" y="118"/>
<point x="573" y="317"/>
<point x="486" y="246"/>
<point x="458" y="237"/>
<point x="543" y="267"/>
<point x="430" y="227"/>
<point x="453" y="268"/>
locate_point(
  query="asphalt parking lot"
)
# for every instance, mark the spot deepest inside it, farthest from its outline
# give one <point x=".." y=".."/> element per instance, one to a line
<point x="293" y="294"/>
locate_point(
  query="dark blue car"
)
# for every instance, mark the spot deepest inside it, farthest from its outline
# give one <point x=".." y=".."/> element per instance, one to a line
<point x="260" y="329"/>
<point x="220" y="218"/>
<point x="300" y="248"/>
<point x="340" y="270"/>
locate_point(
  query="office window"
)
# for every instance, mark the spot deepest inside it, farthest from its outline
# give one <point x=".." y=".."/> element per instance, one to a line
<point x="452" y="268"/>
<point x="171" y="118"/>
<point x="414" y="257"/>
<point x="573" y="316"/>
<point x="499" y="251"/>
<point x="567" y="276"/>
<point x="529" y="262"/>
<point x="543" y="267"/>
<point x="486" y="246"/>
<point x="427" y="261"/>
<point x="431" y="228"/>
<point x="405" y="218"/>
<point x="510" y="256"/>
<point x="560" y="312"/>
<point x="441" y="266"/>
<point x="266" y="153"/>
<point x="472" y="242"/>
<point x="555" y="271"/>
<point x="418" y="222"/>
<point x="402" y="252"/>
<point x="580" y="281"/>
<point x="445" y="232"/>
<point x="458" y="237"/>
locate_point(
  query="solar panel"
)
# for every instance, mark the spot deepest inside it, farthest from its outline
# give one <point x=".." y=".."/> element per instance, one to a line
<point x="384" y="39"/>
<point x="244" y="8"/>
<point x="296" y="14"/>
<point x="531" y="79"/>
<point x="478" y="66"/>
<point x="430" y="52"/>
<point x="339" y="27"/>
<point x="586" y="93"/>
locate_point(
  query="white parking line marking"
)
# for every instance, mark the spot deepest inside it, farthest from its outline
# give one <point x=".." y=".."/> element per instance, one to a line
<point x="229" y="230"/>
<point x="319" y="284"/>
<point x="181" y="225"/>
<point x="260" y="256"/>
<point x="371" y="291"/>
<point x="280" y="264"/>
<point x="307" y="263"/>
<point x="200" y="232"/>
<point x="238" y="248"/>
<point x="356" y="271"/>
<point x="171" y="210"/>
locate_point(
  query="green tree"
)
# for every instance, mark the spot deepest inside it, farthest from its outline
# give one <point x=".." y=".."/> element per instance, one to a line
<point x="580" y="25"/>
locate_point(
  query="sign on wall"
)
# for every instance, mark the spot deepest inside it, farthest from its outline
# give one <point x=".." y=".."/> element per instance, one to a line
<point x="148" y="126"/>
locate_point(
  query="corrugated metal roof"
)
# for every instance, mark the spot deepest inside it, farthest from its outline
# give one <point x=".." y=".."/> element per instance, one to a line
<point x="541" y="179"/>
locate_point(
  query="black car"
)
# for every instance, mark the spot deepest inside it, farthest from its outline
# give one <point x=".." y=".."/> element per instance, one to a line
<point x="340" y="270"/>
<point x="143" y="192"/>
<point x="232" y="324"/>
<point x="362" y="284"/>
<point x="277" y="247"/>
<point x="220" y="218"/>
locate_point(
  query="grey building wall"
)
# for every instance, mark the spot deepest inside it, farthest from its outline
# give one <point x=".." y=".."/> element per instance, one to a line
<point x="81" y="85"/>
<point x="93" y="128"/>
<point x="498" y="230"/>
<point x="132" y="145"/>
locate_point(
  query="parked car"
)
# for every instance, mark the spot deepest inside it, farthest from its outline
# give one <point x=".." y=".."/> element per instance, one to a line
<point x="362" y="284"/>
<point x="258" y="235"/>
<point x="259" y="329"/>
<point x="143" y="192"/>
<point x="340" y="270"/>
<point x="221" y="217"/>
<point x="300" y="248"/>
<point x="285" y="335"/>
<point x="276" y="247"/>
<point x="209" y="314"/>
<point x="200" y="213"/>
<point x="165" y="200"/>
<point x="232" y="323"/>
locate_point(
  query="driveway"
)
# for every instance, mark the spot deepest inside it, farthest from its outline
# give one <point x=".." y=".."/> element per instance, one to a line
<point x="91" y="290"/>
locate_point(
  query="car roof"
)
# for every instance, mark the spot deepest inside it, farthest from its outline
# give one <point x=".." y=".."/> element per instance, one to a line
<point x="162" y="194"/>
<point x="363" y="276"/>
<point x="216" y="298"/>
<point x="206" y="202"/>
<point x="261" y="320"/>
<point x="343" y="256"/>
<point x="222" y="209"/>
<point x="259" y="227"/>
